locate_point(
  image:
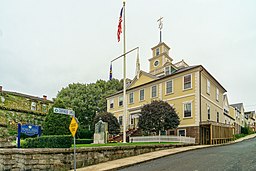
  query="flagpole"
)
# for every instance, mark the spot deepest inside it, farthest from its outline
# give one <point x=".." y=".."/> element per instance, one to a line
<point x="124" y="80"/>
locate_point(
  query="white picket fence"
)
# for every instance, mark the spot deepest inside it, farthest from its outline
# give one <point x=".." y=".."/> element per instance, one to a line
<point x="163" y="138"/>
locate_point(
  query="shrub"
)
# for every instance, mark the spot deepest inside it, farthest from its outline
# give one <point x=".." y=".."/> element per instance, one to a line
<point x="53" y="141"/>
<point x="237" y="136"/>
<point x="246" y="130"/>
<point x="84" y="134"/>
<point x="56" y="124"/>
<point x="84" y="141"/>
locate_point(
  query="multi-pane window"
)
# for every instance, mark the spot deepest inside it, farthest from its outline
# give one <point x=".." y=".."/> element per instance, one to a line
<point x="209" y="112"/>
<point x="167" y="70"/>
<point x="153" y="91"/>
<point x="208" y="86"/>
<point x="187" y="109"/>
<point x="142" y="94"/>
<point x="172" y="132"/>
<point x="111" y="103"/>
<point x="217" y="94"/>
<point x="182" y="132"/>
<point x="120" y="101"/>
<point x="120" y="120"/>
<point x="131" y="98"/>
<point x="218" y="117"/>
<point x="33" y="106"/>
<point x="44" y="108"/>
<point x="157" y="51"/>
<point x="187" y="82"/>
<point x="169" y="87"/>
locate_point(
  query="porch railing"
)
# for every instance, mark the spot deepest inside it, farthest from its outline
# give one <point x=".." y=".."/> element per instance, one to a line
<point x="163" y="138"/>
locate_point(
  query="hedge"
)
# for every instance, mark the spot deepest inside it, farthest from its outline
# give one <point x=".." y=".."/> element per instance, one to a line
<point x="84" y="141"/>
<point x="51" y="141"/>
<point x="84" y="133"/>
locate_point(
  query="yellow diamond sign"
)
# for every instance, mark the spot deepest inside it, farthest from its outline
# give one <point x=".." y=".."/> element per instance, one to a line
<point x="73" y="126"/>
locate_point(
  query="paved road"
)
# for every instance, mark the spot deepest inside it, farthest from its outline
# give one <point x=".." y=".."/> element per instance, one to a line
<point x="235" y="157"/>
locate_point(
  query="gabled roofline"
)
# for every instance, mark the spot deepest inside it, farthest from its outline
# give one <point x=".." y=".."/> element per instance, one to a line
<point x="141" y="72"/>
<point x="181" y="62"/>
<point x="175" y="73"/>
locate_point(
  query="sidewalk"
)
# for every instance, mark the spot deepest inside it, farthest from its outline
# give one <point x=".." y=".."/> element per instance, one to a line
<point x="128" y="161"/>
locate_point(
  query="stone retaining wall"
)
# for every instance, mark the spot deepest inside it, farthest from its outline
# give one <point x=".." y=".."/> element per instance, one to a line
<point x="62" y="159"/>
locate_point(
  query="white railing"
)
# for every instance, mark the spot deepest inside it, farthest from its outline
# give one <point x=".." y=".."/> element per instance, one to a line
<point x="163" y="138"/>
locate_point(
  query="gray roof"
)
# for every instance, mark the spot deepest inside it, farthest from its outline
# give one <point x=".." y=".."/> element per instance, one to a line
<point x="237" y="106"/>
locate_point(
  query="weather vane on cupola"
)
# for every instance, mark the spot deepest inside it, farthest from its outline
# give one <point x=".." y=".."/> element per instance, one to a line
<point x="160" y="26"/>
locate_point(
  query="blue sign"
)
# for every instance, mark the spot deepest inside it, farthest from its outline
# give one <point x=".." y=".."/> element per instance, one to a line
<point x="29" y="130"/>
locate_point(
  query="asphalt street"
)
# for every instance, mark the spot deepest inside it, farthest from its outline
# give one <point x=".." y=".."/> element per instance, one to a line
<point x="235" y="157"/>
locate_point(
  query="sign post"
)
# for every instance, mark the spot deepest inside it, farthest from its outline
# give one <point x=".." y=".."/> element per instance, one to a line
<point x="73" y="128"/>
<point x="29" y="130"/>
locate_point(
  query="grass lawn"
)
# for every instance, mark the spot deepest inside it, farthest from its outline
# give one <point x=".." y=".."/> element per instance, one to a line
<point x="122" y="144"/>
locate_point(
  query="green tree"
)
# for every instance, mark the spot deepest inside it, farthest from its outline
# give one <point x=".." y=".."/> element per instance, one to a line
<point x="87" y="99"/>
<point x="113" y="125"/>
<point x="158" y="116"/>
<point x="56" y="124"/>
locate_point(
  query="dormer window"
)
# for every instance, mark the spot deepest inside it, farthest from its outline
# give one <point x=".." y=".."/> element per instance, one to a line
<point x="33" y="106"/>
<point x="157" y="51"/>
<point x="167" y="70"/>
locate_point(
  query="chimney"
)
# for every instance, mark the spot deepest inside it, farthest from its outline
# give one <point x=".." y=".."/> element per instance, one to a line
<point x="1" y="88"/>
<point x="44" y="97"/>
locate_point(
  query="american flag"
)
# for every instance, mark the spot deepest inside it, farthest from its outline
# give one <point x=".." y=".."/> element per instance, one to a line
<point x="119" y="29"/>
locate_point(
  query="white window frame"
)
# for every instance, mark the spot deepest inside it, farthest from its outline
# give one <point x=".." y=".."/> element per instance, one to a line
<point x="178" y="134"/>
<point x="166" y="87"/>
<point x="157" y="51"/>
<point x="152" y="91"/>
<point x="208" y="88"/>
<point x="184" y="103"/>
<point x="119" y="100"/>
<point x="217" y="94"/>
<point x="167" y="69"/>
<point x="111" y="101"/>
<point x="132" y="98"/>
<point x="140" y="94"/>
<point x="33" y="105"/>
<point x="157" y="63"/>
<point x="208" y="113"/>
<point x="190" y="82"/>
<point x="44" y="108"/>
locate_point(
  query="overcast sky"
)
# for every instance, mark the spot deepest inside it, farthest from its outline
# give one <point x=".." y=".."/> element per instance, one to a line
<point x="47" y="44"/>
